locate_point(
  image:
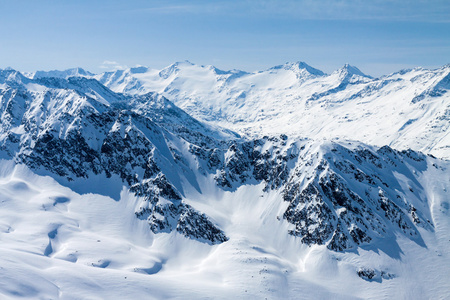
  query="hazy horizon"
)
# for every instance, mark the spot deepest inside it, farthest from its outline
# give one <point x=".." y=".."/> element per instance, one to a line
<point x="379" y="37"/>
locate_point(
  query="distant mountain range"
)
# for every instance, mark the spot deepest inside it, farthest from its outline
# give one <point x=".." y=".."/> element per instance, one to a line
<point x="407" y="109"/>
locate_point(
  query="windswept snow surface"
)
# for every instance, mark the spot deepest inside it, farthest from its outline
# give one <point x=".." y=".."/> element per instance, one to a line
<point x="57" y="243"/>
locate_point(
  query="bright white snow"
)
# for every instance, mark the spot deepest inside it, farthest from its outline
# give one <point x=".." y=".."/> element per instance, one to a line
<point x="81" y="239"/>
<point x="403" y="110"/>
<point x="57" y="243"/>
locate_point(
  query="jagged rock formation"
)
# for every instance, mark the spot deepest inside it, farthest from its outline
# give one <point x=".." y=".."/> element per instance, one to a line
<point x="68" y="132"/>
<point x="339" y="194"/>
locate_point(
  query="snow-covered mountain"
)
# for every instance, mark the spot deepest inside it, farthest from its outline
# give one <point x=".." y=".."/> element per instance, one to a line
<point x="126" y="194"/>
<point x="408" y="109"/>
<point x="78" y="72"/>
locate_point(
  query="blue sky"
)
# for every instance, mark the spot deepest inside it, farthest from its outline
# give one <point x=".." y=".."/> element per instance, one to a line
<point x="378" y="36"/>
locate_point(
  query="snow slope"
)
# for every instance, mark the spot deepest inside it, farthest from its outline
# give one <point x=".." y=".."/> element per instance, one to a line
<point x="60" y="244"/>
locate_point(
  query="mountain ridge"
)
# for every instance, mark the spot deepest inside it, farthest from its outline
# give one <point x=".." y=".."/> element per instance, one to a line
<point x="277" y="101"/>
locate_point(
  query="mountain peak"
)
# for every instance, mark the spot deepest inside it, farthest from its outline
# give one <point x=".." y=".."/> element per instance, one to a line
<point x="216" y="70"/>
<point x="11" y="75"/>
<point x="298" y="66"/>
<point x="182" y="63"/>
<point x="445" y="67"/>
<point x="78" y="72"/>
<point x="173" y="68"/>
<point x="350" y="70"/>
<point x="305" y="66"/>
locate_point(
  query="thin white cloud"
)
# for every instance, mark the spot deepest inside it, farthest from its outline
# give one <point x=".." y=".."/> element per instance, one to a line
<point x="200" y="7"/>
<point x="391" y="10"/>
<point x="112" y="65"/>
<point x="171" y="8"/>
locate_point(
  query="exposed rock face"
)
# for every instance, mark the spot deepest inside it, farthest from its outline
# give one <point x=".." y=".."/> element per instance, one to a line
<point x="67" y="132"/>
<point x="374" y="275"/>
<point x="339" y="195"/>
